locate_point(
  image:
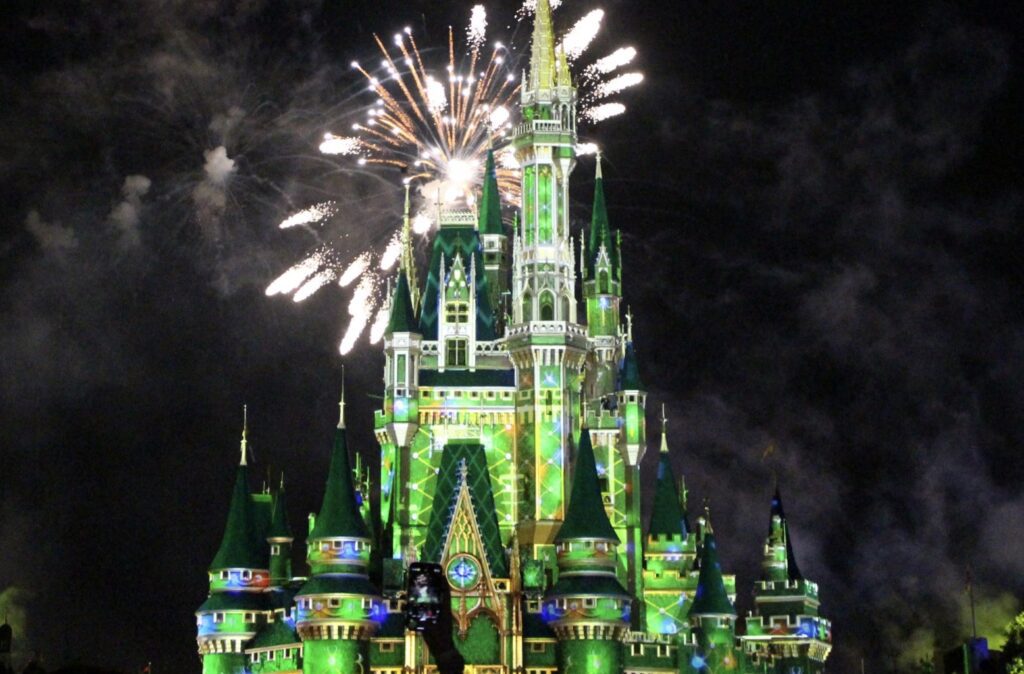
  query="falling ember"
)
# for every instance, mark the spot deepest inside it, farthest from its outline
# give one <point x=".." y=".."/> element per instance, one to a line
<point x="343" y="145"/>
<point x="355" y="270"/>
<point x="318" y="281"/>
<point x="604" y="111"/>
<point x="477" y="31"/>
<point x="359" y="309"/>
<point x="308" y="215"/>
<point x="582" y="34"/>
<point x="294" y="277"/>
<point x="617" y="84"/>
<point x="380" y="324"/>
<point x="391" y="253"/>
<point x="610" y="63"/>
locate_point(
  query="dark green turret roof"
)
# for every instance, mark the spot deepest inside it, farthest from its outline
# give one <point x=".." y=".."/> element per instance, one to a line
<point x="585" y="517"/>
<point x="478" y="480"/>
<point x="667" y="517"/>
<point x="279" y="526"/>
<point x="234" y="601"/>
<point x="600" y="231"/>
<point x="489" y="221"/>
<point x="339" y="515"/>
<point x="711" y="597"/>
<point x="277" y="633"/>
<point x="241" y="548"/>
<point x="792" y="570"/>
<point x="403" y="318"/>
<point x="629" y="371"/>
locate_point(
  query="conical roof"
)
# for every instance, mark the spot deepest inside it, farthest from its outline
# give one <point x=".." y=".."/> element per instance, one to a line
<point x="279" y="526"/>
<point x="711" y="597"/>
<point x="792" y="570"/>
<point x="489" y="221"/>
<point x="339" y="515"/>
<point x="542" y="50"/>
<point x="629" y="372"/>
<point x="585" y="517"/>
<point x="240" y="548"/>
<point x="403" y="318"/>
<point x="600" y="231"/>
<point x="667" y="517"/>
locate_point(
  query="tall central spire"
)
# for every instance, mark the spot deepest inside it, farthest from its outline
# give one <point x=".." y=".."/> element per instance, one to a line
<point x="542" y="56"/>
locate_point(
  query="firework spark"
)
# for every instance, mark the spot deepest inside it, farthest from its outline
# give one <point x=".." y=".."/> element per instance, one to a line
<point x="477" y="31"/>
<point x="582" y="34"/>
<point x="617" y="84"/>
<point x="309" y="215"/>
<point x="615" y="60"/>
<point x="360" y="307"/>
<point x="343" y="145"/>
<point x="599" y="113"/>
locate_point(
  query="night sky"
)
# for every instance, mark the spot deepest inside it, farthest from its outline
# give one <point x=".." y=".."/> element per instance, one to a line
<point x="820" y="204"/>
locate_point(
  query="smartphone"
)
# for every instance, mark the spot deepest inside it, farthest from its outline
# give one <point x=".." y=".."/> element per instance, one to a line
<point x="424" y="594"/>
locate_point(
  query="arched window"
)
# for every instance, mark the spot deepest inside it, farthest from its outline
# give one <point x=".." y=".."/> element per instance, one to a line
<point x="602" y="282"/>
<point x="456" y="352"/>
<point x="527" y="307"/>
<point x="547" y="306"/>
<point x="566" y="308"/>
<point x="456" y="312"/>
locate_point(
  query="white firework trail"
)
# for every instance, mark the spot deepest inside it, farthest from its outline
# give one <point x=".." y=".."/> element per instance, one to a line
<point x="355" y="270"/>
<point x="617" y="84"/>
<point x="380" y="323"/>
<point x="582" y="34"/>
<point x="360" y="307"/>
<point x="392" y="252"/>
<point x="309" y="215"/>
<point x="316" y="282"/>
<point x="294" y="277"/>
<point x="599" y="113"/>
<point x="585" y="149"/>
<point x="340" y="145"/>
<point x="602" y="66"/>
<point x="477" y="31"/>
<point x="437" y="99"/>
<point x="421" y="223"/>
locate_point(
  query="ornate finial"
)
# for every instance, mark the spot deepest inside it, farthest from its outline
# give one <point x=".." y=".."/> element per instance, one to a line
<point x="245" y="435"/>
<point x="597" y="174"/>
<point x="629" y="324"/>
<point x="707" y="516"/>
<point x="341" y="402"/>
<point x="586" y="404"/>
<point x="281" y="487"/>
<point x="664" y="430"/>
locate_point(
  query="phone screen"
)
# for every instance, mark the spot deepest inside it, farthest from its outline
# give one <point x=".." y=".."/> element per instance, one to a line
<point x="423" y="594"/>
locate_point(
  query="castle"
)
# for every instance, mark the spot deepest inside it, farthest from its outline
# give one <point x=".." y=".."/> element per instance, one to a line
<point x="511" y="436"/>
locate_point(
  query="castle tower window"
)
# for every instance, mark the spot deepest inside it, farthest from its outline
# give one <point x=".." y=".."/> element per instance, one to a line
<point x="456" y="352"/>
<point x="456" y="312"/>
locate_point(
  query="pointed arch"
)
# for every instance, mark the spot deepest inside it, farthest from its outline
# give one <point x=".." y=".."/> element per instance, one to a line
<point x="547" y="305"/>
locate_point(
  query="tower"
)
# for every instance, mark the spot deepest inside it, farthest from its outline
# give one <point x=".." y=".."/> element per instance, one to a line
<point x="239" y="575"/>
<point x="588" y="609"/>
<point x="337" y="609"/>
<point x="545" y="343"/>
<point x="786" y="630"/>
<point x="280" y="538"/>
<point x="712" y="616"/>
<point x="495" y="243"/>
<point x="669" y="553"/>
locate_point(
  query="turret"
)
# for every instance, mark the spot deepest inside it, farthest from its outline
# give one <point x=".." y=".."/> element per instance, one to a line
<point x="602" y="287"/>
<point x="668" y="552"/>
<point x="402" y="348"/>
<point x="632" y="404"/>
<point x="712" y="616"/>
<point x="588" y="609"/>
<point x="494" y="240"/>
<point x="280" y="538"/>
<point x="338" y="608"/>
<point x="6" y="637"/>
<point x="786" y="629"/>
<point x="239" y="576"/>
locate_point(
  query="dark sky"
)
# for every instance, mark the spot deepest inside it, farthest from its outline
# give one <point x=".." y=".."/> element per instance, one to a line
<point x="821" y="208"/>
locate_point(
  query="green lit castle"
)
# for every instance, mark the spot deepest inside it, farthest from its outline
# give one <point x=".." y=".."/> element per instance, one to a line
<point x="511" y="434"/>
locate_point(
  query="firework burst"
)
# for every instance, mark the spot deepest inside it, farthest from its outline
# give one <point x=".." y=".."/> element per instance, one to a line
<point x="434" y="122"/>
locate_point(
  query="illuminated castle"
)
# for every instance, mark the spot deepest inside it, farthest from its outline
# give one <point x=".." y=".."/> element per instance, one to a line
<point x="511" y="436"/>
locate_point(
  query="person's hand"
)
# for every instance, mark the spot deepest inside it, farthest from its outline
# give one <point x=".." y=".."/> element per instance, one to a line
<point x="438" y="636"/>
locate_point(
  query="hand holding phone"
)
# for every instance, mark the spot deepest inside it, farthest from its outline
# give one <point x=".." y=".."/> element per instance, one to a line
<point x="428" y="610"/>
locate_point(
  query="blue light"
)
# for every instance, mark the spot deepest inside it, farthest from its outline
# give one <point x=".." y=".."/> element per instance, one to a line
<point x="401" y="406"/>
<point x="697" y="662"/>
<point x="807" y="629"/>
<point x="604" y="303"/>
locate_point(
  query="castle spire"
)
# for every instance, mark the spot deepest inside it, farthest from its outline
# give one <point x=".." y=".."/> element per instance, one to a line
<point x="489" y="219"/>
<point x="664" y="430"/>
<point x="408" y="262"/>
<point x="600" y="230"/>
<point x="240" y="548"/>
<point x="339" y="514"/>
<point x="667" y="517"/>
<point x="341" y="401"/>
<point x="711" y="599"/>
<point x="542" y="54"/>
<point x="403" y="316"/>
<point x="245" y="435"/>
